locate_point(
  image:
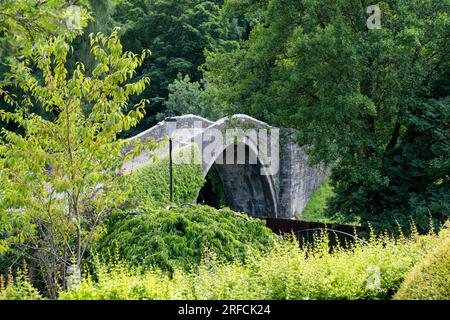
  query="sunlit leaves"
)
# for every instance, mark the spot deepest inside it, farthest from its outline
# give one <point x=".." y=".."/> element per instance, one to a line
<point x="26" y="23"/>
<point x="61" y="174"/>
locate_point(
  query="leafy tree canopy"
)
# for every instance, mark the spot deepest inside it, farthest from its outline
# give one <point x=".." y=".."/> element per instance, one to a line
<point x="24" y="23"/>
<point x="59" y="178"/>
<point x="177" y="32"/>
<point x="354" y="94"/>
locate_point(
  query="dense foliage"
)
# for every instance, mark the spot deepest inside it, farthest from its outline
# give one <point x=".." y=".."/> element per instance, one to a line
<point x="373" y="271"/>
<point x="416" y="171"/>
<point x="187" y="97"/>
<point x="180" y="237"/>
<point x="177" y="32"/>
<point x="58" y="178"/>
<point x="151" y="181"/>
<point x="430" y="279"/>
<point x="19" y="287"/>
<point x="25" y="23"/>
<point x="360" y="98"/>
<point x="101" y="21"/>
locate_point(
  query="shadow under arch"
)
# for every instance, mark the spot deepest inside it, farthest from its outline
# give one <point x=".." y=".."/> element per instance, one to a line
<point x="244" y="188"/>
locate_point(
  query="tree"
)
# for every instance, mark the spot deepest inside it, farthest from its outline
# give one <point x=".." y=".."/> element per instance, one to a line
<point x="101" y="21"/>
<point x="177" y="32"/>
<point x="59" y="180"/>
<point x="186" y="97"/>
<point x="24" y="23"/>
<point x="314" y="66"/>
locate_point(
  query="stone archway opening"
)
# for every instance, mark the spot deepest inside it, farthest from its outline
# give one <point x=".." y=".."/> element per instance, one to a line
<point x="241" y="187"/>
<point x="212" y="193"/>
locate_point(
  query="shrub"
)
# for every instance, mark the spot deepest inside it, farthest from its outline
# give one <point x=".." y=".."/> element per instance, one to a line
<point x="365" y="271"/>
<point x="118" y="282"/>
<point x="18" y="288"/>
<point x="429" y="280"/>
<point x="179" y="237"/>
<point x="151" y="183"/>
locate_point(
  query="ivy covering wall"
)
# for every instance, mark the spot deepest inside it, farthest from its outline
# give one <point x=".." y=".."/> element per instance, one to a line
<point x="152" y="183"/>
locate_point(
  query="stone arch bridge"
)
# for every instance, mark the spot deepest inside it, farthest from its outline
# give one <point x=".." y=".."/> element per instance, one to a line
<point x="271" y="179"/>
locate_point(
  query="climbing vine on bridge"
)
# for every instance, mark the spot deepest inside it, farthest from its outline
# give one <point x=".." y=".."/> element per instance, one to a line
<point x="151" y="181"/>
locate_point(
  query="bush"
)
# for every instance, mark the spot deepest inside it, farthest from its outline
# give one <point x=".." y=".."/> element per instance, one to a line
<point x="365" y="271"/>
<point x="18" y="288"/>
<point x="118" y="282"/>
<point x="151" y="182"/>
<point x="429" y="280"/>
<point x="179" y="237"/>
